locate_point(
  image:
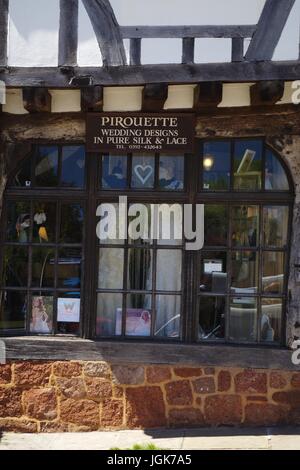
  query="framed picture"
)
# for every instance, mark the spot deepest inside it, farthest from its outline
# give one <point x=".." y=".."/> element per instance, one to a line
<point x="41" y="314"/>
<point x="138" y="322"/>
<point x="213" y="266"/>
<point x="68" y="310"/>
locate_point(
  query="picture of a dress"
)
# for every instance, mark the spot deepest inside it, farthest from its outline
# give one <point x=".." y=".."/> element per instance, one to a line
<point x="41" y="315"/>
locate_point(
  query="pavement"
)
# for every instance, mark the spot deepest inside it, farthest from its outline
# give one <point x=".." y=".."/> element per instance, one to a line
<point x="179" y="439"/>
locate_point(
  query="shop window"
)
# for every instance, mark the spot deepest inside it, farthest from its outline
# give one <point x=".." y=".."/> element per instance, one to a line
<point x="59" y="277"/>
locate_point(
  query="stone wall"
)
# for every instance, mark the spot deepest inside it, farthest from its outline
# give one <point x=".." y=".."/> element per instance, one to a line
<point x="87" y="396"/>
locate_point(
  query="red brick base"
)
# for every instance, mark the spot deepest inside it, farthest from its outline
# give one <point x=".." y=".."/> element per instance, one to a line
<point x="89" y="396"/>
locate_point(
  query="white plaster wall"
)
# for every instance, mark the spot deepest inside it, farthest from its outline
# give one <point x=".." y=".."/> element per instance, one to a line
<point x="33" y="35"/>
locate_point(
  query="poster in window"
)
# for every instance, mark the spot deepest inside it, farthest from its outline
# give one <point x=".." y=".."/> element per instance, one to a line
<point x="138" y="322"/>
<point x="68" y="310"/>
<point x="41" y="314"/>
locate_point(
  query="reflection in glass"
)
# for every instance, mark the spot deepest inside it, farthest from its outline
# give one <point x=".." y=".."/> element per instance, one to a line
<point x="42" y="267"/>
<point x="211" y="318"/>
<point x="46" y="166"/>
<point x="243" y="319"/>
<point x="213" y="272"/>
<point x="111" y="266"/>
<point x="168" y="270"/>
<point x="15" y="267"/>
<point x="107" y="307"/>
<point x="171" y="172"/>
<point x="247" y="164"/>
<point x="13" y="309"/>
<point x="41" y="320"/>
<point x="244" y="272"/>
<point x="245" y="225"/>
<point x="275" y="175"/>
<point x="44" y="222"/>
<point x="18" y="222"/>
<point x="167" y="322"/>
<point x="143" y="171"/>
<point x="169" y="224"/>
<point x="111" y="225"/>
<point x="215" y="225"/>
<point x="273" y="272"/>
<point x="270" y="322"/>
<point x="140" y="221"/>
<point x="68" y="313"/>
<point x="216" y="165"/>
<point x="139" y="276"/>
<point x="69" y="268"/>
<point x="71" y="223"/>
<point x="138" y="315"/>
<point x="114" y="172"/>
<point x="73" y="162"/>
<point x="275" y="226"/>
<point x="22" y="179"/>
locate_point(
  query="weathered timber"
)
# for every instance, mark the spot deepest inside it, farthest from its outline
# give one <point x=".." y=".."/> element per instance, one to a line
<point x="25" y="348"/>
<point x="37" y="100"/>
<point x="268" y="92"/>
<point x="107" y="31"/>
<point x="201" y="31"/>
<point x="154" y="96"/>
<point x="3" y="31"/>
<point x="237" y="52"/>
<point x="269" y="29"/>
<point x="68" y="33"/>
<point x="208" y="94"/>
<point x="135" y="51"/>
<point x="92" y="99"/>
<point x="142" y="74"/>
<point x="188" y="49"/>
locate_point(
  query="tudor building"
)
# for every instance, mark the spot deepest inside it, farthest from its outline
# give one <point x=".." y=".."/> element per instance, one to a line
<point x="145" y="333"/>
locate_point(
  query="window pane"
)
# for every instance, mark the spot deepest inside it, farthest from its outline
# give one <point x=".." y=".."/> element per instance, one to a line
<point x="111" y="226"/>
<point x="211" y="318"/>
<point x="270" y="324"/>
<point x="71" y="223"/>
<point x="216" y="165"/>
<point x="13" y="309"/>
<point x="143" y="171"/>
<point x="22" y="179"/>
<point x="138" y="315"/>
<point x="167" y="322"/>
<point x="171" y="172"/>
<point x="46" y="169"/>
<point x="213" y="272"/>
<point x="244" y="272"/>
<point x="68" y="313"/>
<point x="247" y="164"/>
<point x="243" y="319"/>
<point x="42" y="267"/>
<point x="108" y="306"/>
<point x="140" y="224"/>
<point x="168" y="270"/>
<point x="245" y="226"/>
<point x="44" y="222"/>
<point x="114" y="172"/>
<point x="69" y="268"/>
<point x="215" y="225"/>
<point x="139" y="276"/>
<point x="169" y="224"/>
<point x="276" y="226"/>
<point x="273" y="272"/>
<point x="18" y="222"/>
<point x="111" y="267"/>
<point x="275" y="176"/>
<point x="41" y="320"/>
<point x="15" y="272"/>
<point x="73" y="162"/>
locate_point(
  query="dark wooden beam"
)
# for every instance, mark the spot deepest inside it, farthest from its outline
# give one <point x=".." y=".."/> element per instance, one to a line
<point x="269" y="29"/>
<point x="237" y="52"/>
<point x="154" y="96"/>
<point x="37" y="100"/>
<point x="68" y="33"/>
<point x="202" y="31"/>
<point x="92" y="99"/>
<point x="3" y="32"/>
<point x="208" y="94"/>
<point x="188" y="49"/>
<point x="107" y="31"/>
<point x="135" y="51"/>
<point x="140" y="75"/>
<point x="268" y="92"/>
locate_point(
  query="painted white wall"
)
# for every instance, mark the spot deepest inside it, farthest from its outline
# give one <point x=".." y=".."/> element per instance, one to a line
<point x="33" y="29"/>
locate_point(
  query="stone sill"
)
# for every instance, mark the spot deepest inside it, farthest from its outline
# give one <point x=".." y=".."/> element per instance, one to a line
<point x="66" y="348"/>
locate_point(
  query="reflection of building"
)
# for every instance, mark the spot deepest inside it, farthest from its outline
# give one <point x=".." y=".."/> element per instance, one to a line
<point x="145" y="310"/>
